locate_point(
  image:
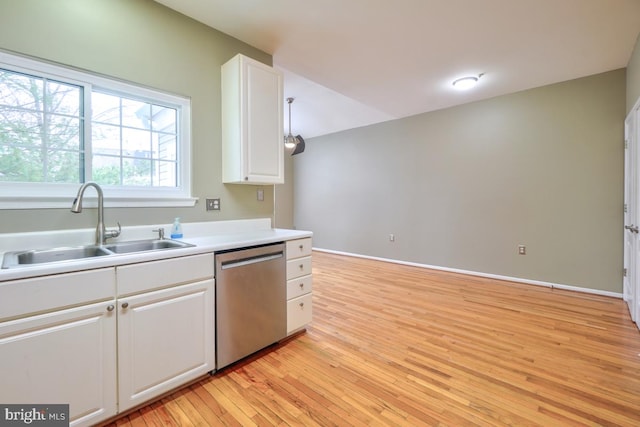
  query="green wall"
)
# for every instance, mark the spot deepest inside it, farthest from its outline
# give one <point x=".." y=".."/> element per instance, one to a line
<point x="463" y="187"/>
<point x="146" y="43"/>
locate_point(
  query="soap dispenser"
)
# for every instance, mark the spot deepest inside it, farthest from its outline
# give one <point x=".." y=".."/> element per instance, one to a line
<point x="176" y="229"/>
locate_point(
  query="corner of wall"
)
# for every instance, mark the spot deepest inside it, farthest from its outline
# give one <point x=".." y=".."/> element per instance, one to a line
<point x="633" y="76"/>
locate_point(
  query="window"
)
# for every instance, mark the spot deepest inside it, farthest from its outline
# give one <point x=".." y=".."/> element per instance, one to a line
<point x="61" y="127"/>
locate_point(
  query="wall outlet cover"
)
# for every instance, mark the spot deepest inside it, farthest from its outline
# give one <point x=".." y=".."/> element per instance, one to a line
<point x="213" y="204"/>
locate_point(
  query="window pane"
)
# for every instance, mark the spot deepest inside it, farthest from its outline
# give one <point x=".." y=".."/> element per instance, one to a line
<point x="18" y="164"/>
<point x="63" y="167"/>
<point x="165" y="174"/>
<point x="105" y="108"/>
<point x="20" y="90"/>
<point x="164" y="146"/>
<point x="63" y="98"/>
<point x="106" y="170"/>
<point x="136" y="172"/>
<point x="146" y="133"/>
<point x="136" y="143"/>
<point x="164" y="119"/>
<point x="105" y="139"/>
<point x="64" y="133"/>
<point x="20" y="140"/>
<point x="41" y="129"/>
<point x="136" y="114"/>
<point x="19" y="122"/>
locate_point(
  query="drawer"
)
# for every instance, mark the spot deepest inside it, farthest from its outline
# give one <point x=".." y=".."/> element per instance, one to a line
<point x="299" y="312"/>
<point x="298" y="248"/>
<point x="299" y="286"/>
<point x="24" y="296"/>
<point x="159" y="274"/>
<point x="298" y="267"/>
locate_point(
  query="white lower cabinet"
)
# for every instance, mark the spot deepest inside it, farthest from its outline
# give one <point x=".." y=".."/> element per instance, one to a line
<point x="108" y="339"/>
<point x="64" y="356"/>
<point x="299" y="284"/>
<point x="165" y="339"/>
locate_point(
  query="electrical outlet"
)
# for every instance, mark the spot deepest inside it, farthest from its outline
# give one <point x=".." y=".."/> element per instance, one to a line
<point x="213" y="204"/>
<point x="392" y="237"/>
<point x="260" y="195"/>
<point x="522" y="250"/>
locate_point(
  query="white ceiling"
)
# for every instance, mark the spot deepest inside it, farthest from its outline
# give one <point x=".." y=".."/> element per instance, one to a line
<point x="349" y="63"/>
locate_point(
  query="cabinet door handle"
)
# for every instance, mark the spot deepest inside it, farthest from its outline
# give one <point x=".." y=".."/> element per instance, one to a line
<point x="110" y="307"/>
<point x="125" y="304"/>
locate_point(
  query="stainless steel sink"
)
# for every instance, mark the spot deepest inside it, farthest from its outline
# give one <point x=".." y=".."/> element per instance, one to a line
<point x="145" y="245"/>
<point x="41" y="256"/>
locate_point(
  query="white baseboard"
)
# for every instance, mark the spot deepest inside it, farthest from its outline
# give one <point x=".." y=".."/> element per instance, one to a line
<point x="476" y="273"/>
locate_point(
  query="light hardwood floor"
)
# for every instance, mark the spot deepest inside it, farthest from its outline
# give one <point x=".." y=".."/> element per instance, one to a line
<point x="398" y="345"/>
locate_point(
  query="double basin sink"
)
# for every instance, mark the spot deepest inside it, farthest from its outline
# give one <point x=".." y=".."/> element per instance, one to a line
<point x="42" y="256"/>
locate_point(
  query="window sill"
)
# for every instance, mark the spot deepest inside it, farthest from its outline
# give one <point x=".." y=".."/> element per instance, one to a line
<point x="26" y="202"/>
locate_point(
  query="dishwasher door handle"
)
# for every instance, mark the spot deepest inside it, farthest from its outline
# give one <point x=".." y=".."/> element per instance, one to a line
<point x="252" y="260"/>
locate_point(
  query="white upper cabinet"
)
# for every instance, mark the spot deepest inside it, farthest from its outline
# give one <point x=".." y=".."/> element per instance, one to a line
<point x="252" y="123"/>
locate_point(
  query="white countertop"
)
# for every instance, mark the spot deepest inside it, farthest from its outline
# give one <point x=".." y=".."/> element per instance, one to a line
<point x="207" y="237"/>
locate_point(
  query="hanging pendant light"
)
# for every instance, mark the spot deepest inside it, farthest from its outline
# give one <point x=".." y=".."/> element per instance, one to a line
<point x="299" y="146"/>
<point x="290" y="140"/>
<point x="293" y="142"/>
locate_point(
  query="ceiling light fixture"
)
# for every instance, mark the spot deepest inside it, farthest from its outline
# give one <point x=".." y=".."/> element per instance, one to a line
<point x="290" y="140"/>
<point x="293" y="142"/>
<point x="465" y="83"/>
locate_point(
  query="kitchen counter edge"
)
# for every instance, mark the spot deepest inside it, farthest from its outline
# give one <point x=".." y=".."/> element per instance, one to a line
<point x="203" y="244"/>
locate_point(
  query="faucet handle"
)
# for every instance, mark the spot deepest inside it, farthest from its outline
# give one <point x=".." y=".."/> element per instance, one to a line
<point x="109" y="234"/>
<point x="160" y="231"/>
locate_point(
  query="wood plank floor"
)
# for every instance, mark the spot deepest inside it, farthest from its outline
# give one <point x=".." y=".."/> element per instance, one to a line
<point x="399" y="345"/>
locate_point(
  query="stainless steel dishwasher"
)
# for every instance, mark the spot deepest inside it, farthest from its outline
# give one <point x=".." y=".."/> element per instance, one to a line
<point x="251" y="301"/>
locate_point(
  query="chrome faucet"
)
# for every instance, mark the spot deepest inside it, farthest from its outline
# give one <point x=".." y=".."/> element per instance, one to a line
<point x="160" y="232"/>
<point x="102" y="234"/>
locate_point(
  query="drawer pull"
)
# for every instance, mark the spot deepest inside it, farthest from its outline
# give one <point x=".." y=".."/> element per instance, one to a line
<point x="125" y="304"/>
<point x="301" y="305"/>
<point x="301" y="285"/>
<point x="301" y="266"/>
<point x="301" y="247"/>
<point x="110" y="307"/>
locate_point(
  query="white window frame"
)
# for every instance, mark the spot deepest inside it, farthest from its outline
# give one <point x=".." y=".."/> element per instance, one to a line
<point x="18" y="195"/>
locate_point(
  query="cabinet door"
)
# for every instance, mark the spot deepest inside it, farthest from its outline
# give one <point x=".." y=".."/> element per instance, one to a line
<point x="252" y="123"/>
<point x="165" y="338"/>
<point x="67" y="356"/>
<point x="264" y="137"/>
